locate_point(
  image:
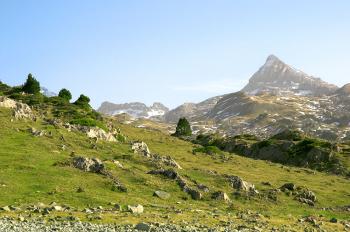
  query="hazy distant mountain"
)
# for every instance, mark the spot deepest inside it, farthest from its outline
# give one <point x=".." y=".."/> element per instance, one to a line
<point x="47" y="92"/>
<point x="277" y="77"/>
<point x="191" y="110"/>
<point x="135" y="109"/>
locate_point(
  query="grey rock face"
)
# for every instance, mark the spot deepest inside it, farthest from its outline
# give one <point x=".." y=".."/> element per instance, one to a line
<point x="88" y="165"/>
<point x="239" y="184"/>
<point x="277" y="77"/>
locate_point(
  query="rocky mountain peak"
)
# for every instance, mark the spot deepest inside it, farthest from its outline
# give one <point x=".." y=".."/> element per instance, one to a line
<point x="277" y="77"/>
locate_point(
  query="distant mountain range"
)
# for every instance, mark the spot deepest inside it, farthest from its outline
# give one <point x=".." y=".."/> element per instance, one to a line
<point x="277" y="96"/>
<point x="134" y="109"/>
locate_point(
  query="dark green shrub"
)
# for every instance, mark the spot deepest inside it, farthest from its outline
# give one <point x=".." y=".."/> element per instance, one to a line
<point x="31" y="86"/>
<point x="83" y="101"/>
<point x="183" y="128"/>
<point x="65" y="94"/>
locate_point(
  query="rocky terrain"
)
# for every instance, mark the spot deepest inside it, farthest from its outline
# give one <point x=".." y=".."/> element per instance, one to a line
<point x="65" y="167"/>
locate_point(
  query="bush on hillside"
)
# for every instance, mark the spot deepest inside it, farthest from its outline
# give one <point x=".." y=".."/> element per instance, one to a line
<point x="83" y="101"/>
<point x="65" y="94"/>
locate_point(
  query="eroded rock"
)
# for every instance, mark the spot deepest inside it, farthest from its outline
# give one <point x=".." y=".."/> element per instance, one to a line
<point x="88" y="164"/>
<point x="239" y="184"/>
<point x="220" y="195"/>
<point x="138" y="209"/>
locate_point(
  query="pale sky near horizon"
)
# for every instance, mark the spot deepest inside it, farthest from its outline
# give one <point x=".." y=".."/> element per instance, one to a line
<point x="171" y="51"/>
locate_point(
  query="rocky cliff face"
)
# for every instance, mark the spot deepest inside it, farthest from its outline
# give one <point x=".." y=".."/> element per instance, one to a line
<point x="279" y="78"/>
<point x="135" y="109"/>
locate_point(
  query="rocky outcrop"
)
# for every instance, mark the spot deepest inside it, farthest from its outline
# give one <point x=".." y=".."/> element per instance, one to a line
<point x="88" y="164"/>
<point x="220" y="195"/>
<point x="36" y="132"/>
<point x="20" y="110"/>
<point x="239" y="184"/>
<point x="302" y="194"/>
<point x="96" y="166"/>
<point x="138" y="209"/>
<point x="92" y="132"/>
<point x="141" y="147"/>
<point x="171" y="174"/>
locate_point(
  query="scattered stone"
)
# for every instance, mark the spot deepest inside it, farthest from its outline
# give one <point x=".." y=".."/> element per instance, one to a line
<point x="135" y="209"/>
<point x="5" y="208"/>
<point x="88" y="164"/>
<point x="140" y="147"/>
<point x="118" y="164"/>
<point x="171" y="174"/>
<point x="220" y="195"/>
<point x="161" y="194"/>
<point x="288" y="186"/>
<point x="241" y="185"/>
<point x="37" y="133"/>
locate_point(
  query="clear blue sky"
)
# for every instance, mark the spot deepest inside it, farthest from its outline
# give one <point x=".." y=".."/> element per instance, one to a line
<point x="172" y="51"/>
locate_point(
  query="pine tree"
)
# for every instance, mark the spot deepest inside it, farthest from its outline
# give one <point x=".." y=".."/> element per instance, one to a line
<point x="65" y="94"/>
<point x="183" y="128"/>
<point x="31" y="86"/>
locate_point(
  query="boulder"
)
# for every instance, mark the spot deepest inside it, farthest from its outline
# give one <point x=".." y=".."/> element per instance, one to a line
<point x="220" y="195"/>
<point x="161" y="194"/>
<point x="98" y="133"/>
<point x="167" y="173"/>
<point x="5" y="208"/>
<point x="20" y="110"/>
<point x="306" y="196"/>
<point x="141" y="147"/>
<point x="135" y="209"/>
<point x="241" y="185"/>
<point x="88" y="164"/>
<point x="288" y="186"/>
<point x="36" y="133"/>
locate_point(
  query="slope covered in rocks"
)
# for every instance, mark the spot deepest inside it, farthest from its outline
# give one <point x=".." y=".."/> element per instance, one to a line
<point x="55" y="168"/>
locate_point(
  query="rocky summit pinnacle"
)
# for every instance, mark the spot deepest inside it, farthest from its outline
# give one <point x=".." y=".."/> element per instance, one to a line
<point x="277" y="77"/>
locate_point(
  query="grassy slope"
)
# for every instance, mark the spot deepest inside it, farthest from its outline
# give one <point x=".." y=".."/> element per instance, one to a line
<point x="27" y="169"/>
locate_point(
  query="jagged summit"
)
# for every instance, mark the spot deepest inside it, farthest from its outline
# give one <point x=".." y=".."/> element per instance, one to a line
<point x="277" y="77"/>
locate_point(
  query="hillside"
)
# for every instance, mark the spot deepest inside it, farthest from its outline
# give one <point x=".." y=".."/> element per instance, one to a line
<point x="44" y="158"/>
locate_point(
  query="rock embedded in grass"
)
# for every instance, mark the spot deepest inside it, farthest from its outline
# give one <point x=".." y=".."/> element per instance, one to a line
<point x="138" y="209"/>
<point x="161" y="194"/>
